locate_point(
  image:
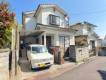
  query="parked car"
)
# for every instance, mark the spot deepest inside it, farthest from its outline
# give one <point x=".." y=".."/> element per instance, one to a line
<point x="39" y="56"/>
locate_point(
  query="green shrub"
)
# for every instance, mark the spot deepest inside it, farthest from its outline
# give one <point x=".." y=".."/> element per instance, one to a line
<point x="6" y="23"/>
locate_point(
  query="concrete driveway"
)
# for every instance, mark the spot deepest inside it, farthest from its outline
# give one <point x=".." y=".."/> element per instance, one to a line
<point x="26" y="72"/>
<point x="42" y="74"/>
<point x="94" y="70"/>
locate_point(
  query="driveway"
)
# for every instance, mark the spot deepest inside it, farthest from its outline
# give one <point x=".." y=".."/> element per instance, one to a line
<point x="44" y="73"/>
<point x="94" y="70"/>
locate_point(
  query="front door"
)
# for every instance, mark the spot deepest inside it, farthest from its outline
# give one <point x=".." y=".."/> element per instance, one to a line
<point x="48" y="41"/>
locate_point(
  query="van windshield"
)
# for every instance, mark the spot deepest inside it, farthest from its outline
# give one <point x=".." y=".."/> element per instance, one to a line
<point x="39" y="49"/>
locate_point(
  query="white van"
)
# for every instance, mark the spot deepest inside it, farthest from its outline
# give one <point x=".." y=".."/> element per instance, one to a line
<point x="39" y="56"/>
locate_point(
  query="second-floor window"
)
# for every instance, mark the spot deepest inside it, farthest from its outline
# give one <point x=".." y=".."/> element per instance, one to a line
<point x="54" y="20"/>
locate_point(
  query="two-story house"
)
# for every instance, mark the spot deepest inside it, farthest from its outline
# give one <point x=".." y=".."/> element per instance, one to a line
<point x="48" y="25"/>
<point x="87" y="29"/>
<point x="85" y="37"/>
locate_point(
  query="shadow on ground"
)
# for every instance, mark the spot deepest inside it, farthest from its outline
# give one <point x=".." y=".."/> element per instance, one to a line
<point x="103" y="74"/>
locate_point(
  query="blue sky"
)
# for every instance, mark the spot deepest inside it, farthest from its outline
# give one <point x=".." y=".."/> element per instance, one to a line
<point x="93" y="11"/>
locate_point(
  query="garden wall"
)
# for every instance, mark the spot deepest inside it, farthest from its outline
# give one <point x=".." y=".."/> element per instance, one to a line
<point x="4" y="64"/>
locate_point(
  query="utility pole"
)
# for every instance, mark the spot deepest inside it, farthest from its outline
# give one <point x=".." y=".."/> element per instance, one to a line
<point x="14" y="48"/>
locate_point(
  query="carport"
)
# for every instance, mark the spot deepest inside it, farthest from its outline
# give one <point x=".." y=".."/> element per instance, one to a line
<point x="34" y="37"/>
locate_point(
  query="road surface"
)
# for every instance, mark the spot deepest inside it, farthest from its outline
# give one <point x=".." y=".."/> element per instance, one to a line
<point x="94" y="70"/>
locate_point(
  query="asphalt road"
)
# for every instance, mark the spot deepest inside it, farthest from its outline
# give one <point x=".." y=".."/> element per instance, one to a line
<point x="94" y="70"/>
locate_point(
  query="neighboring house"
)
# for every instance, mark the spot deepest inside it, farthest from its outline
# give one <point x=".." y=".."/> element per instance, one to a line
<point x="48" y="25"/>
<point x="86" y="30"/>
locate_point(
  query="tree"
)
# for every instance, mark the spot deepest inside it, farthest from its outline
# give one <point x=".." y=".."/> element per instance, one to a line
<point x="6" y="24"/>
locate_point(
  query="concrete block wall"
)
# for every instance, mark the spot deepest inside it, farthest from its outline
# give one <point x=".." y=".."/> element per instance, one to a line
<point x="4" y="64"/>
<point x="82" y="54"/>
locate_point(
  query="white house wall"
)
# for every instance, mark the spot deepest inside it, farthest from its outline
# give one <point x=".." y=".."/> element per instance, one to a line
<point x="39" y="18"/>
<point x="47" y="11"/>
<point x="42" y="17"/>
<point x="103" y="43"/>
<point x="92" y="38"/>
<point x="85" y="32"/>
<point x="72" y="40"/>
<point x="99" y="43"/>
<point x="45" y="14"/>
<point x="81" y="32"/>
<point x="62" y="19"/>
<point x="50" y="31"/>
<point x="30" y="23"/>
<point x="56" y="35"/>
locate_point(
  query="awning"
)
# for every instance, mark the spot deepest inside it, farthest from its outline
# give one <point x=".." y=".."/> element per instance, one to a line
<point x="33" y="33"/>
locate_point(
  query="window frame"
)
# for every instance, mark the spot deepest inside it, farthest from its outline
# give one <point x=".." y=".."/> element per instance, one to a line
<point x="53" y="20"/>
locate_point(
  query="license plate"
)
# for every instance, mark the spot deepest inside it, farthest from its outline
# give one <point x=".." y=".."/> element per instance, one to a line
<point x="41" y="65"/>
